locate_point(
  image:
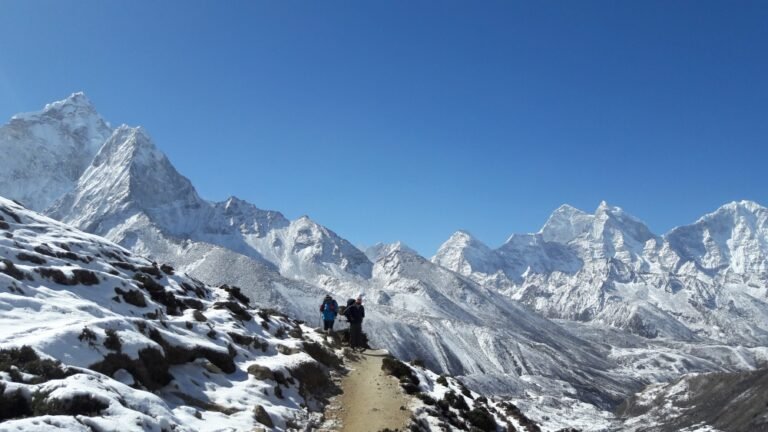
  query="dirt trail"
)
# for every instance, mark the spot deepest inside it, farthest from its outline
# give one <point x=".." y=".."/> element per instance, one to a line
<point x="371" y="400"/>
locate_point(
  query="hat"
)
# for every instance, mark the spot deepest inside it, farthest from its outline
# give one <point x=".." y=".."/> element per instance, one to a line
<point x="328" y="296"/>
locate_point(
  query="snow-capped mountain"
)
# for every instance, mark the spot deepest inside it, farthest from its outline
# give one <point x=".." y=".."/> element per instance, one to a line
<point x="705" y="280"/>
<point x="131" y="194"/>
<point x="657" y="306"/>
<point x="733" y="239"/>
<point x="131" y="186"/>
<point x="129" y="178"/>
<point x="35" y="171"/>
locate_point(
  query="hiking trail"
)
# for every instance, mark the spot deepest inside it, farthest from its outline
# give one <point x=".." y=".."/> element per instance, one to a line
<point x="371" y="401"/>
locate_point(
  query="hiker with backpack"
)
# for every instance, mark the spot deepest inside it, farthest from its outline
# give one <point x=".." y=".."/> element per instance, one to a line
<point x="355" y="313"/>
<point x="329" y="308"/>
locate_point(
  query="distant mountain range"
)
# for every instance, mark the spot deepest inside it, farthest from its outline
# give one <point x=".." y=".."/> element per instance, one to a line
<point x="708" y="280"/>
<point x="576" y="317"/>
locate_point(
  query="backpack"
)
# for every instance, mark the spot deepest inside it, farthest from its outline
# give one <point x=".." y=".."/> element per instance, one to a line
<point x="329" y="306"/>
<point x="343" y="309"/>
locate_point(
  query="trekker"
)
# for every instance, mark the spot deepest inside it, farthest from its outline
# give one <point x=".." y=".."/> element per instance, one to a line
<point x="329" y="308"/>
<point x="355" y="314"/>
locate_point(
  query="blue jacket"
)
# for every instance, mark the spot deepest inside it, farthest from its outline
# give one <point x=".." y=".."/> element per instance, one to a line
<point x="329" y="308"/>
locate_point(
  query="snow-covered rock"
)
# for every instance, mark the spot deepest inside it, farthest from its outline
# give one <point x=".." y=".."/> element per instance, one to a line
<point x="93" y="337"/>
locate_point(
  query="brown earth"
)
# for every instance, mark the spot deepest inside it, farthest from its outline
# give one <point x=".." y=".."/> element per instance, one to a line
<point x="371" y="401"/>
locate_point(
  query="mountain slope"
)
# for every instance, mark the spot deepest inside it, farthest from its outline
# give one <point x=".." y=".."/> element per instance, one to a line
<point x="722" y="401"/>
<point x="141" y="346"/>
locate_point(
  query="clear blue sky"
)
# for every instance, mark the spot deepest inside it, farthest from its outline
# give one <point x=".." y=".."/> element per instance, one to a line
<point x="408" y="120"/>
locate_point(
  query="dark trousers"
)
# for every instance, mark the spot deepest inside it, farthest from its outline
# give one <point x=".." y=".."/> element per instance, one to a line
<point x="356" y="335"/>
<point x="328" y="324"/>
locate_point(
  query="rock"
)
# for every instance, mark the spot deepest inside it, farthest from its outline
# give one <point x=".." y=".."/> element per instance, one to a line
<point x="199" y="316"/>
<point x="286" y="350"/>
<point x="212" y="368"/>
<point x="261" y="372"/>
<point x="261" y="416"/>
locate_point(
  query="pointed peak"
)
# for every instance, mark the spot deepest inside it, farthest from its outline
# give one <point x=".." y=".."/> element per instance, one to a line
<point x="75" y="100"/>
<point x="564" y="224"/>
<point x="132" y="131"/>
<point x="75" y="110"/>
<point x="462" y="236"/>
<point x="380" y="250"/>
<point x="305" y="222"/>
<point x="138" y="139"/>
<point x="233" y="201"/>
<point x="607" y="210"/>
<point x="462" y="239"/>
<point x="402" y="247"/>
<point x="569" y="209"/>
<point x="132" y="146"/>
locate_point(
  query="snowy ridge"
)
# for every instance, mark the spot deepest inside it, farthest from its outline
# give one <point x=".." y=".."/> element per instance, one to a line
<point x="141" y="347"/>
<point x="699" y="281"/>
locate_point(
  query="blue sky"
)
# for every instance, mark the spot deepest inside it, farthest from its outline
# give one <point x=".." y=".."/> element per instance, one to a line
<point x="408" y="120"/>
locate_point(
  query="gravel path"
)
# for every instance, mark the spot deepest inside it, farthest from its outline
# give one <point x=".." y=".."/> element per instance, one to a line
<point x="371" y="401"/>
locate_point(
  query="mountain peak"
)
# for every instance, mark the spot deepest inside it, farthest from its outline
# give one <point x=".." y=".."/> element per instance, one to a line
<point x="233" y="201"/>
<point x="46" y="151"/>
<point x="565" y="224"/>
<point x="380" y="250"/>
<point x="75" y="100"/>
<point x="77" y="105"/>
<point x="748" y="205"/>
<point x="605" y="208"/>
<point x="461" y="236"/>
<point x="128" y="175"/>
<point x="732" y="236"/>
<point x="130" y="146"/>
